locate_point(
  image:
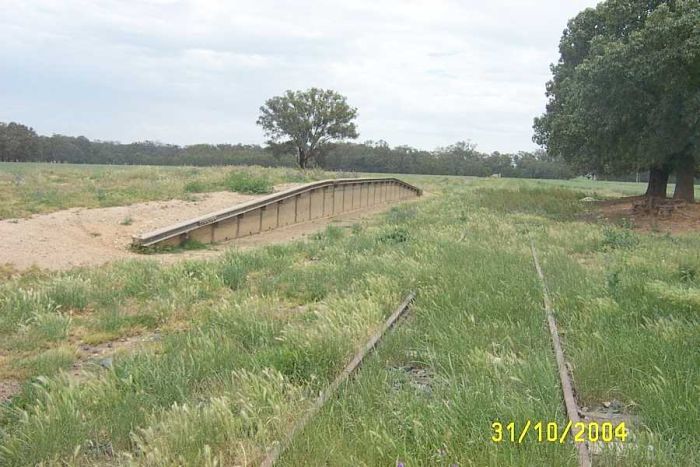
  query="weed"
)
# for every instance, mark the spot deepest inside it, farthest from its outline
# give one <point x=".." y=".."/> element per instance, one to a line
<point x="19" y="306"/>
<point x="69" y="292"/>
<point x="393" y="236"/>
<point x="48" y="362"/>
<point x="195" y="186"/>
<point x="100" y="195"/>
<point x="192" y="244"/>
<point x="625" y="223"/>
<point x="612" y="280"/>
<point x="399" y="214"/>
<point x="51" y="327"/>
<point x="614" y="238"/>
<point x="187" y="245"/>
<point x="233" y="274"/>
<point x="333" y="232"/>
<point x="687" y="273"/>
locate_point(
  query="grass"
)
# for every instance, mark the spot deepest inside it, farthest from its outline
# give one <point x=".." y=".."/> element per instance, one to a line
<point x="243" y="182"/>
<point x="632" y="314"/>
<point x="187" y="245"/>
<point x="36" y="188"/>
<point x="248" y="339"/>
<point x="601" y="189"/>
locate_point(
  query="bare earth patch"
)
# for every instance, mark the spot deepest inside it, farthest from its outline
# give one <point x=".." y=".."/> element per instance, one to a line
<point x="9" y="388"/>
<point x="683" y="219"/>
<point x="103" y="354"/>
<point x="90" y="237"/>
<point x="82" y="237"/>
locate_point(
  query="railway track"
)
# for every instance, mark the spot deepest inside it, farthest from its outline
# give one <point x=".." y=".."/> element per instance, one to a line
<point x="567" y="387"/>
<point x="573" y="410"/>
<point x="278" y="449"/>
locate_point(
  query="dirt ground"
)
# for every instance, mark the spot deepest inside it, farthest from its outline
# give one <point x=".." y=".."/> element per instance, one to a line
<point x="8" y="389"/>
<point x="86" y="237"/>
<point x="89" y="237"/>
<point x="684" y="219"/>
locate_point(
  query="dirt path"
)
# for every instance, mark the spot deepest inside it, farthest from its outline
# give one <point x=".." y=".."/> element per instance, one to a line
<point x="90" y="237"/>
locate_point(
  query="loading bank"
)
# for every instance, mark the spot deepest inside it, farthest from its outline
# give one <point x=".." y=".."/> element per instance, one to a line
<point x="315" y="200"/>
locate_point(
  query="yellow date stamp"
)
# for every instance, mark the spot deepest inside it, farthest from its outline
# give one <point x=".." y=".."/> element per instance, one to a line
<point x="553" y="432"/>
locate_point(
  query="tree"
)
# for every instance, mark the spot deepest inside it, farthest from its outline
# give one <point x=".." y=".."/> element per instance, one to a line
<point x="307" y="120"/>
<point x="18" y="143"/>
<point x="625" y="93"/>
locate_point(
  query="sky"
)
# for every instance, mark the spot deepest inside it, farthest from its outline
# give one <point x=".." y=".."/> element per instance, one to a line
<point x="424" y="73"/>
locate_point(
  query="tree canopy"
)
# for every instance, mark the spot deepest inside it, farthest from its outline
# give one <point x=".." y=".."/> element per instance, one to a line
<point x="17" y="142"/>
<point x="625" y="93"/>
<point x="307" y="120"/>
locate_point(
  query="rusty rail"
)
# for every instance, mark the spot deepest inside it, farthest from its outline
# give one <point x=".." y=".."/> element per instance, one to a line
<point x="274" y="454"/>
<point x="567" y="387"/>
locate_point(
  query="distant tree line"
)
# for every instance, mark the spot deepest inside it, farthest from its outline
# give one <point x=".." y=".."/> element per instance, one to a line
<point x="22" y="144"/>
<point x="461" y="158"/>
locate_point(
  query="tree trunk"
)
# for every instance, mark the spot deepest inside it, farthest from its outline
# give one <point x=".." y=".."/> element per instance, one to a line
<point x="685" y="177"/>
<point x="301" y="158"/>
<point x="658" y="181"/>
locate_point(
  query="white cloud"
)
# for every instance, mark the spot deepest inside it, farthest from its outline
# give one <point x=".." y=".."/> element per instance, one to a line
<point x="423" y="73"/>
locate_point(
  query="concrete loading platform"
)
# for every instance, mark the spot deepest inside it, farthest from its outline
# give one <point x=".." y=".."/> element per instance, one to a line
<point x="315" y="200"/>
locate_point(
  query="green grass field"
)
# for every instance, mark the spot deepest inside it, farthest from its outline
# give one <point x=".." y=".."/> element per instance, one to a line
<point x="610" y="189"/>
<point x="35" y="188"/>
<point x="239" y="346"/>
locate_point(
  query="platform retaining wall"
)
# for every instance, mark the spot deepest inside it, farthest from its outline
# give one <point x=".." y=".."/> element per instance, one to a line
<point x="315" y="200"/>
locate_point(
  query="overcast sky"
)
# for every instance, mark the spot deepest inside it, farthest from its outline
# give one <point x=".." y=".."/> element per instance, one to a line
<point x="423" y="73"/>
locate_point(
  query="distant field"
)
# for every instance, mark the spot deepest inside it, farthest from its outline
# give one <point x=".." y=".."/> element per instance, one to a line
<point x="207" y="361"/>
<point x="611" y="189"/>
<point x="34" y="188"/>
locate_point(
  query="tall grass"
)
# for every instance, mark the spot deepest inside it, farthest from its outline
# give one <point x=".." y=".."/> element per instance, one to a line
<point x="633" y="333"/>
<point x="247" y="340"/>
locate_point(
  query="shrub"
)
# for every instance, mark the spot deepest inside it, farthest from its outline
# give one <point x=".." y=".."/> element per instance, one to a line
<point x="243" y="182"/>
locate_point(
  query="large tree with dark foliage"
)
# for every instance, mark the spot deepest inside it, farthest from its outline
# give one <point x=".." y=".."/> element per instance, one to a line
<point x="308" y="120"/>
<point x="18" y="143"/>
<point x="625" y="94"/>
